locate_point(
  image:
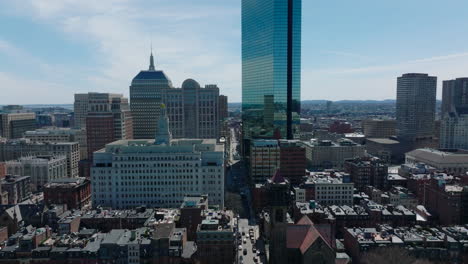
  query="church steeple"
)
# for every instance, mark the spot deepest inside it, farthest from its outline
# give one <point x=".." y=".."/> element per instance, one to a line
<point x="163" y="135"/>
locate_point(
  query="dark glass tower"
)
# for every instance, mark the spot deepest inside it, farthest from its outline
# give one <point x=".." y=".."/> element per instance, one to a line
<point x="271" y="68"/>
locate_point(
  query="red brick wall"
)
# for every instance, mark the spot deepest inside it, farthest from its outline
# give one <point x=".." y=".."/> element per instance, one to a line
<point x="2" y="170"/>
<point x="74" y="198"/>
<point x="293" y="163"/>
<point x="3" y="233"/>
<point x="99" y="132"/>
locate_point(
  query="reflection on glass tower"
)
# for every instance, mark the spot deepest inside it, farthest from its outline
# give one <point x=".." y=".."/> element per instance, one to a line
<point x="271" y="66"/>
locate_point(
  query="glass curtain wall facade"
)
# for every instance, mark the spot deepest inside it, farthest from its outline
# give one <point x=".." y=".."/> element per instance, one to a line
<point x="271" y="68"/>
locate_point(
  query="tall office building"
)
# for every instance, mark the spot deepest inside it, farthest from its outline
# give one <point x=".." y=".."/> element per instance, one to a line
<point x="454" y="95"/>
<point x="145" y="100"/>
<point x="13" y="125"/>
<point x="223" y="107"/>
<point x="80" y="109"/>
<point x="271" y="68"/>
<point x="193" y="111"/>
<point x="454" y="121"/>
<point x="415" y="106"/>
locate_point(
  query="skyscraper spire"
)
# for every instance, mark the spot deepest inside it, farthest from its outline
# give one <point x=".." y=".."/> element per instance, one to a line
<point x="151" y="67"/>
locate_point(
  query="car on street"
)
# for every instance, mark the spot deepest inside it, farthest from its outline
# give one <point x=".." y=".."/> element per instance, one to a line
<point x="245" y="251"/>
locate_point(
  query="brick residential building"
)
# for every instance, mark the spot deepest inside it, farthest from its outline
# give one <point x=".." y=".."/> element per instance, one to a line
<point x="293" y="160"/>
<point x="2" y="170"/>
<point x="191" y="214"/>
<point x="447" y="202"/>
<point x="367" y="171"/>
<point x="75" y="192"/>
<point x="340" y="127"/>
<point x="215" y="238"/>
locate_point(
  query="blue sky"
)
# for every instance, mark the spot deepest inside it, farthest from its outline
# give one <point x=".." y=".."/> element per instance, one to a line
<point x="51" y="49"/>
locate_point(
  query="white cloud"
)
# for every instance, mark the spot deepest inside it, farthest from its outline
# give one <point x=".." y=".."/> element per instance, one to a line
<point x="18" y="90"/>
<point x="378" y="82"/>
<point x="120" y="32"/>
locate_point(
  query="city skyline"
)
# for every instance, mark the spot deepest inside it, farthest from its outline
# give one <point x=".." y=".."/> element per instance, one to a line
<point x="71" y="47"/>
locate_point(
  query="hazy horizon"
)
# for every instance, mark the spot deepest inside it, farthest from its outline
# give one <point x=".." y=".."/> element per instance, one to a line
<point x="355" y="50"/>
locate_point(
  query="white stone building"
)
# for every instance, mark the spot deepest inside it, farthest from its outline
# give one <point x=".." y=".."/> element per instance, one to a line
<point x="42" y="169"/>
<point x="55" y="134"/>
<point x="326" y="154"/>
<point x="453" y="162"/>
<point x="157" y="172"/>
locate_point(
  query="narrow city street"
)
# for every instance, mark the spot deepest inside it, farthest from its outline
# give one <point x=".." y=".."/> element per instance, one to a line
<point x="246" y="253"/>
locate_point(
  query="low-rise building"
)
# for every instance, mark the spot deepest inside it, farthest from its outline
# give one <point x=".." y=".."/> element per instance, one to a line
<point x="328" y="188"/>
<point x="17" y="187"/>
<point x="379" y="128"/>
<point x="447" y="202"/>
<point x="69" y="224"/>
<point x="191" y="214"/>
<point x="366" y="171"/>
<point x="42" y="168"/>
<point x="326" y="154"/>
<point x="56" y="134"/>
<point x="216" y="241"/>
<point x="450" y="161"/>
<point x="15" y="149"/>
<point x="434" y="244"/>
<point x="74" y="192"/>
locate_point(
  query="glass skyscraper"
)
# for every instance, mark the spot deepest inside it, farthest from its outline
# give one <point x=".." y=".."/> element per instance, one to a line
<point x="271" y="68"/>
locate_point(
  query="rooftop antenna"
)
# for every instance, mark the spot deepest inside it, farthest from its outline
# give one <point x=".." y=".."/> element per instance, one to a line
<point x="151" y="67"/>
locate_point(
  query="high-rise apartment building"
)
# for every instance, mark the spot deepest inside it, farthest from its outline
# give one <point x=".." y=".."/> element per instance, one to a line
<point x="158" y="172"/>
<point x="454" y="121"/>
<point x="108" y="119"/>
<point x="415" y="106"/>
<point x="13" y="125"/>
<point x="193" y="111"/>
<point x="271" y="68"/>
